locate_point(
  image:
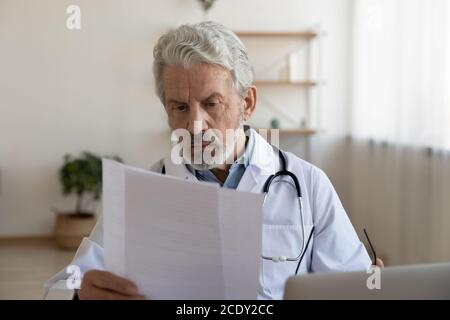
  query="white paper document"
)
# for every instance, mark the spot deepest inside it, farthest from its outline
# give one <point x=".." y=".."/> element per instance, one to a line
<point x="180" y="239"/>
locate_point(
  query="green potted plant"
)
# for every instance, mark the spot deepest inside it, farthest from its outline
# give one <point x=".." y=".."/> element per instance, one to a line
<point x="81" y="176"/>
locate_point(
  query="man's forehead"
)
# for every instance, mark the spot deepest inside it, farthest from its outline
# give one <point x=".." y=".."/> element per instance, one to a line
<point x="199" y="80"/>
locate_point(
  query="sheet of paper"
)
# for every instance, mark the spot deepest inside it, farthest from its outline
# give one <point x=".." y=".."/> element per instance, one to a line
<point x="178" y="239"/>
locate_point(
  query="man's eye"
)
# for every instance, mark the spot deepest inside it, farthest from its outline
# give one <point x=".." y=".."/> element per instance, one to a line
<point x="181" y="108"/>
<point x="211" y="104"/>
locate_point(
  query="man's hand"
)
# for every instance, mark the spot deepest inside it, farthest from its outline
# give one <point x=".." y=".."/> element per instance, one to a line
<point x="379" y="263"/>
<point x="103" y="285"/>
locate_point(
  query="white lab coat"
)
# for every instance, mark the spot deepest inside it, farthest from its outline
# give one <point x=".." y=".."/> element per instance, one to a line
<point x="334" y="247"/>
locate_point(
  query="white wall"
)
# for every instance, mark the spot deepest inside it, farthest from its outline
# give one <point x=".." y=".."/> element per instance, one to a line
<point x="67" y="91"/>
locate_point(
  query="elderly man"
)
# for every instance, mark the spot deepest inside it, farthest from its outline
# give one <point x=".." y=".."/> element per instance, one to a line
<point x="204" y="80"/>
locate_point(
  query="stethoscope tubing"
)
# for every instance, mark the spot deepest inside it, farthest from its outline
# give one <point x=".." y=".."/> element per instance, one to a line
<point x="267" y="184"/>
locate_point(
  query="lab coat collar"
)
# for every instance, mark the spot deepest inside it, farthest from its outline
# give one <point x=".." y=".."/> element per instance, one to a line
<point x="262" y="161"/>
<point x="263" y="156"/>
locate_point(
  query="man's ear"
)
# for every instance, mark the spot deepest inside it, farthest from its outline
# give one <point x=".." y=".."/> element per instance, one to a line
<point x="249" y="103"/>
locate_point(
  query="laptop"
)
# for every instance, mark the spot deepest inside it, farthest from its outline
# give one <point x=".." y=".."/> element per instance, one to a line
<point x="415" y="282"/>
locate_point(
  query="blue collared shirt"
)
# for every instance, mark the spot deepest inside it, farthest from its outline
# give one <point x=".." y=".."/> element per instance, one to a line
<point x="237" y="169"/>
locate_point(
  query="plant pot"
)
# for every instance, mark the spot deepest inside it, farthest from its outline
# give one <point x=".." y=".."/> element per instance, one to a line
<point x="71" y="228"/>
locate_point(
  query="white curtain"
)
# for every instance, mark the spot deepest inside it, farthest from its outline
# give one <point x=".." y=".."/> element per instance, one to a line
<point x="399" y="190"/>
<point x="401" y="72"/>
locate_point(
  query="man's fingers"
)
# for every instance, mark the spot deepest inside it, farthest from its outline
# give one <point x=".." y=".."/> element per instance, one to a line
<point x="110" y="281"/>
<point x="380" y="263"/>
<point x="94" y="293"/>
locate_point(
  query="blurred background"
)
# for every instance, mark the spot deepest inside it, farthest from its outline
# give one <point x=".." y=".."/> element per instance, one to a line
<point x="360" y="88"/>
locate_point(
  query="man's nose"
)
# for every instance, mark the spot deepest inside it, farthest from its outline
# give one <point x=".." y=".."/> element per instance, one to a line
<point x="197" y="121"/>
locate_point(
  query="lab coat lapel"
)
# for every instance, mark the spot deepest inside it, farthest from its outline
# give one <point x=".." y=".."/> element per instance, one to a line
<point x="263" y="163"/>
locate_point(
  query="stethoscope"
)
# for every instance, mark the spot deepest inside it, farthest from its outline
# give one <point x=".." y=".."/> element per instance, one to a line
<point x="267" y="184"/>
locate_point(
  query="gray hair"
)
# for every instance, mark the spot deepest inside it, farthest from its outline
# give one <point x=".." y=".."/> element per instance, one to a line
<point x="206" y="42"/>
